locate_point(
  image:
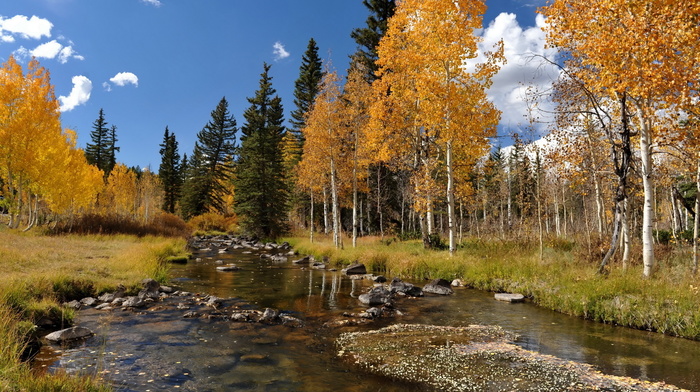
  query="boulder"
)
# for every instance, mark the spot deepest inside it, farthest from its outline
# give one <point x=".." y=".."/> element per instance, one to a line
<point x="72" y="304"/>
<point x="229" y="267"/>
<point x="303" y="260"/>
<point x="279" y="259"/>
<point x="240" y="317"/>
<point x="376" y="296"/>
<point x="166" y="289"/>
<point x="88" y="301"/>
<point x="269" y="315"/>
<point x="355" y="269"/>
<point x="69" y="334"/>
<point x="399" y="286"/>
<point x="133" y="302"/>
<point x="213" y="301"/>
<point x="438" y="286"/>
<point x="458" y="283"/>
<point x="509" y="297"/>
<point x="150" y="289"/>
<point x="379" y="279"/>
<point x="106" y="297"/>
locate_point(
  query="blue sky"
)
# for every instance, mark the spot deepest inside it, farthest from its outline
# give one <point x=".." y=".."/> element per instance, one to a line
<point x="152" y="63"/>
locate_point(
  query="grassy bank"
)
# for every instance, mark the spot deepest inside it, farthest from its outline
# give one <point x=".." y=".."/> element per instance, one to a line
<point x="562" y="280"/>
<point x="40" y="272"/>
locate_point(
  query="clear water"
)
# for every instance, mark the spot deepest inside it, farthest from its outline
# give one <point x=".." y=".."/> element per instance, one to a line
<point x="159" y="350"/>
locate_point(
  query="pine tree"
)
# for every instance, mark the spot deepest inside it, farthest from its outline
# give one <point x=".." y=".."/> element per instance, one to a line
<point x="211" y="164"/>
<point x="261" y="194"/>
<point x="101" y="152"/>
<point x="305" y="91"/>
<point x="367" y="38"/>
<point x="169" y="171"/>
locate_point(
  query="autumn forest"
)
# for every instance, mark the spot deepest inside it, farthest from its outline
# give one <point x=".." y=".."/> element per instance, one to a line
<point x="404" y="143"/>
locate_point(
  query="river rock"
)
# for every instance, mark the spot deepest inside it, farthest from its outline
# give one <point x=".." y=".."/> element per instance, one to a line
<point x="269" y="315"/>
<point x="133" y="302"/>
<point x="458" y="283"/>
<point x="75" y="304"/>
<point x="69" y="334"/>
<point x="317" y="265"/>
<point x="166" y="289"/>
<point x="377" y="295"/>
<point x="291" y="321"/>
<point x="229" y="267"/>
<point x="88" y="301"/>
<point x="399" y="286"/>
<point x="509" y="297"/>
<point x="355" y="269"/>
<point x="303" y="260"/>
<point x="106" y="297"/>
<point x="438" y="286"/>
<point x="379" y="279"/>
<point x="279" y="259"/>
<point x="213" y="301"/>
<point x="150" y="289"/>
<point x="240" y="317"/>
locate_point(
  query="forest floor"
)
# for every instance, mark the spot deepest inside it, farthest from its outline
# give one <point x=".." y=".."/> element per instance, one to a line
<point x="40" y="272"/>
<point x="563" y="277"/>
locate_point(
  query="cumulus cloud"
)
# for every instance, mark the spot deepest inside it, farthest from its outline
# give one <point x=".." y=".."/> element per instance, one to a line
<point x="156" y="3"/>
<point x="279" y="51"/>
<point x="524" y="72"/>
<point x="123" y="78"/>
<point x="24" y="27"/>
<point x="80" y="94"/>
<point x="50" y="50"/>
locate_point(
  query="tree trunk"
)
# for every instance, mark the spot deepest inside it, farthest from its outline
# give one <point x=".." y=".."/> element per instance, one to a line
<point x="335" y="208"/>
<point x="696" y="221"/>
<point x="311" y="231"/>
<point x="325" y="211"/>
<point x="451" y="216"/>
<point x="645" y="150"/>
<point x="625" y="237"/>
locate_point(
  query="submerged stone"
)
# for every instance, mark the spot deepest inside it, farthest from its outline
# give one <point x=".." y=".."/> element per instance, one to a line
<point x="68" y="334"/>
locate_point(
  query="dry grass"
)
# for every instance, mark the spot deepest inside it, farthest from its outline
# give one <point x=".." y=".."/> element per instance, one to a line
<point x="562" y="280"/>
<point x="39" y="272"/>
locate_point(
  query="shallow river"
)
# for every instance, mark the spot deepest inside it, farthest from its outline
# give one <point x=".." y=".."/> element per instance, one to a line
<point x="159" y="350"/>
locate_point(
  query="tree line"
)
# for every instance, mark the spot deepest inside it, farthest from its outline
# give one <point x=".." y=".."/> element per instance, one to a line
<point x="403" y="144"/>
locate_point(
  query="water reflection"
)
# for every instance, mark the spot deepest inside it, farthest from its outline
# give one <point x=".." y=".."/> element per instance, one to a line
<point x="210" y="355"/>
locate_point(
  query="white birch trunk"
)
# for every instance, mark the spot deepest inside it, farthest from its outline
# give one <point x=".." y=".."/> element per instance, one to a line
<point x="648" y="183"/>
<point x="450" y="199"/>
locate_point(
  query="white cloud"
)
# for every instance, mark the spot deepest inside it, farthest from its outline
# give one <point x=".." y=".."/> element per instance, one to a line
<point x="156" y="3"/>
<point x="523" y="70"/>
<point x="25" y="27"/>
<point x="107" y="86"/>
<point x="279" y="51"/>
<point x="80" y="94"/>
<point x="50" y="50"/>
<point x="123" y="78"/>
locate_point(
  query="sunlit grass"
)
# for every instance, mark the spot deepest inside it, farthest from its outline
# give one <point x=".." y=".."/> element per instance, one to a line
<point x="562" y="280"/>
<point x="40" y="272"/>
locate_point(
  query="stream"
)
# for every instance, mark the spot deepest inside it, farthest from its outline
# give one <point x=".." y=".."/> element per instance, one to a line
<point x="157" y="349"/>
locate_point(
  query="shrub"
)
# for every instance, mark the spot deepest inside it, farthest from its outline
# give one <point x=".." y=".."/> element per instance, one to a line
<point x="162" y="224"/>
<point x="210" y="222"/>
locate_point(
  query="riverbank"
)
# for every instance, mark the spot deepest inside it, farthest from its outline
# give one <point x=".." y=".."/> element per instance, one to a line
<point x="561" y="281"/>
<point x="41" y="272"/>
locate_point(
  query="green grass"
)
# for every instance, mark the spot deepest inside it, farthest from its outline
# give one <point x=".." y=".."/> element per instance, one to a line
<point x="40" y="272"/>
<point x="564" y="280"/>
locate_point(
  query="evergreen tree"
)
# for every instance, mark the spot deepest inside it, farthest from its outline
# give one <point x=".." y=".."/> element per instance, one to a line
<point x="305" y="92"/>
<point x="367" y="38"/>
<point x="261" y="194"/>
<point x="211" y="164"/>
<point x="169" y="171"/>
<point x="101" y="152"/>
